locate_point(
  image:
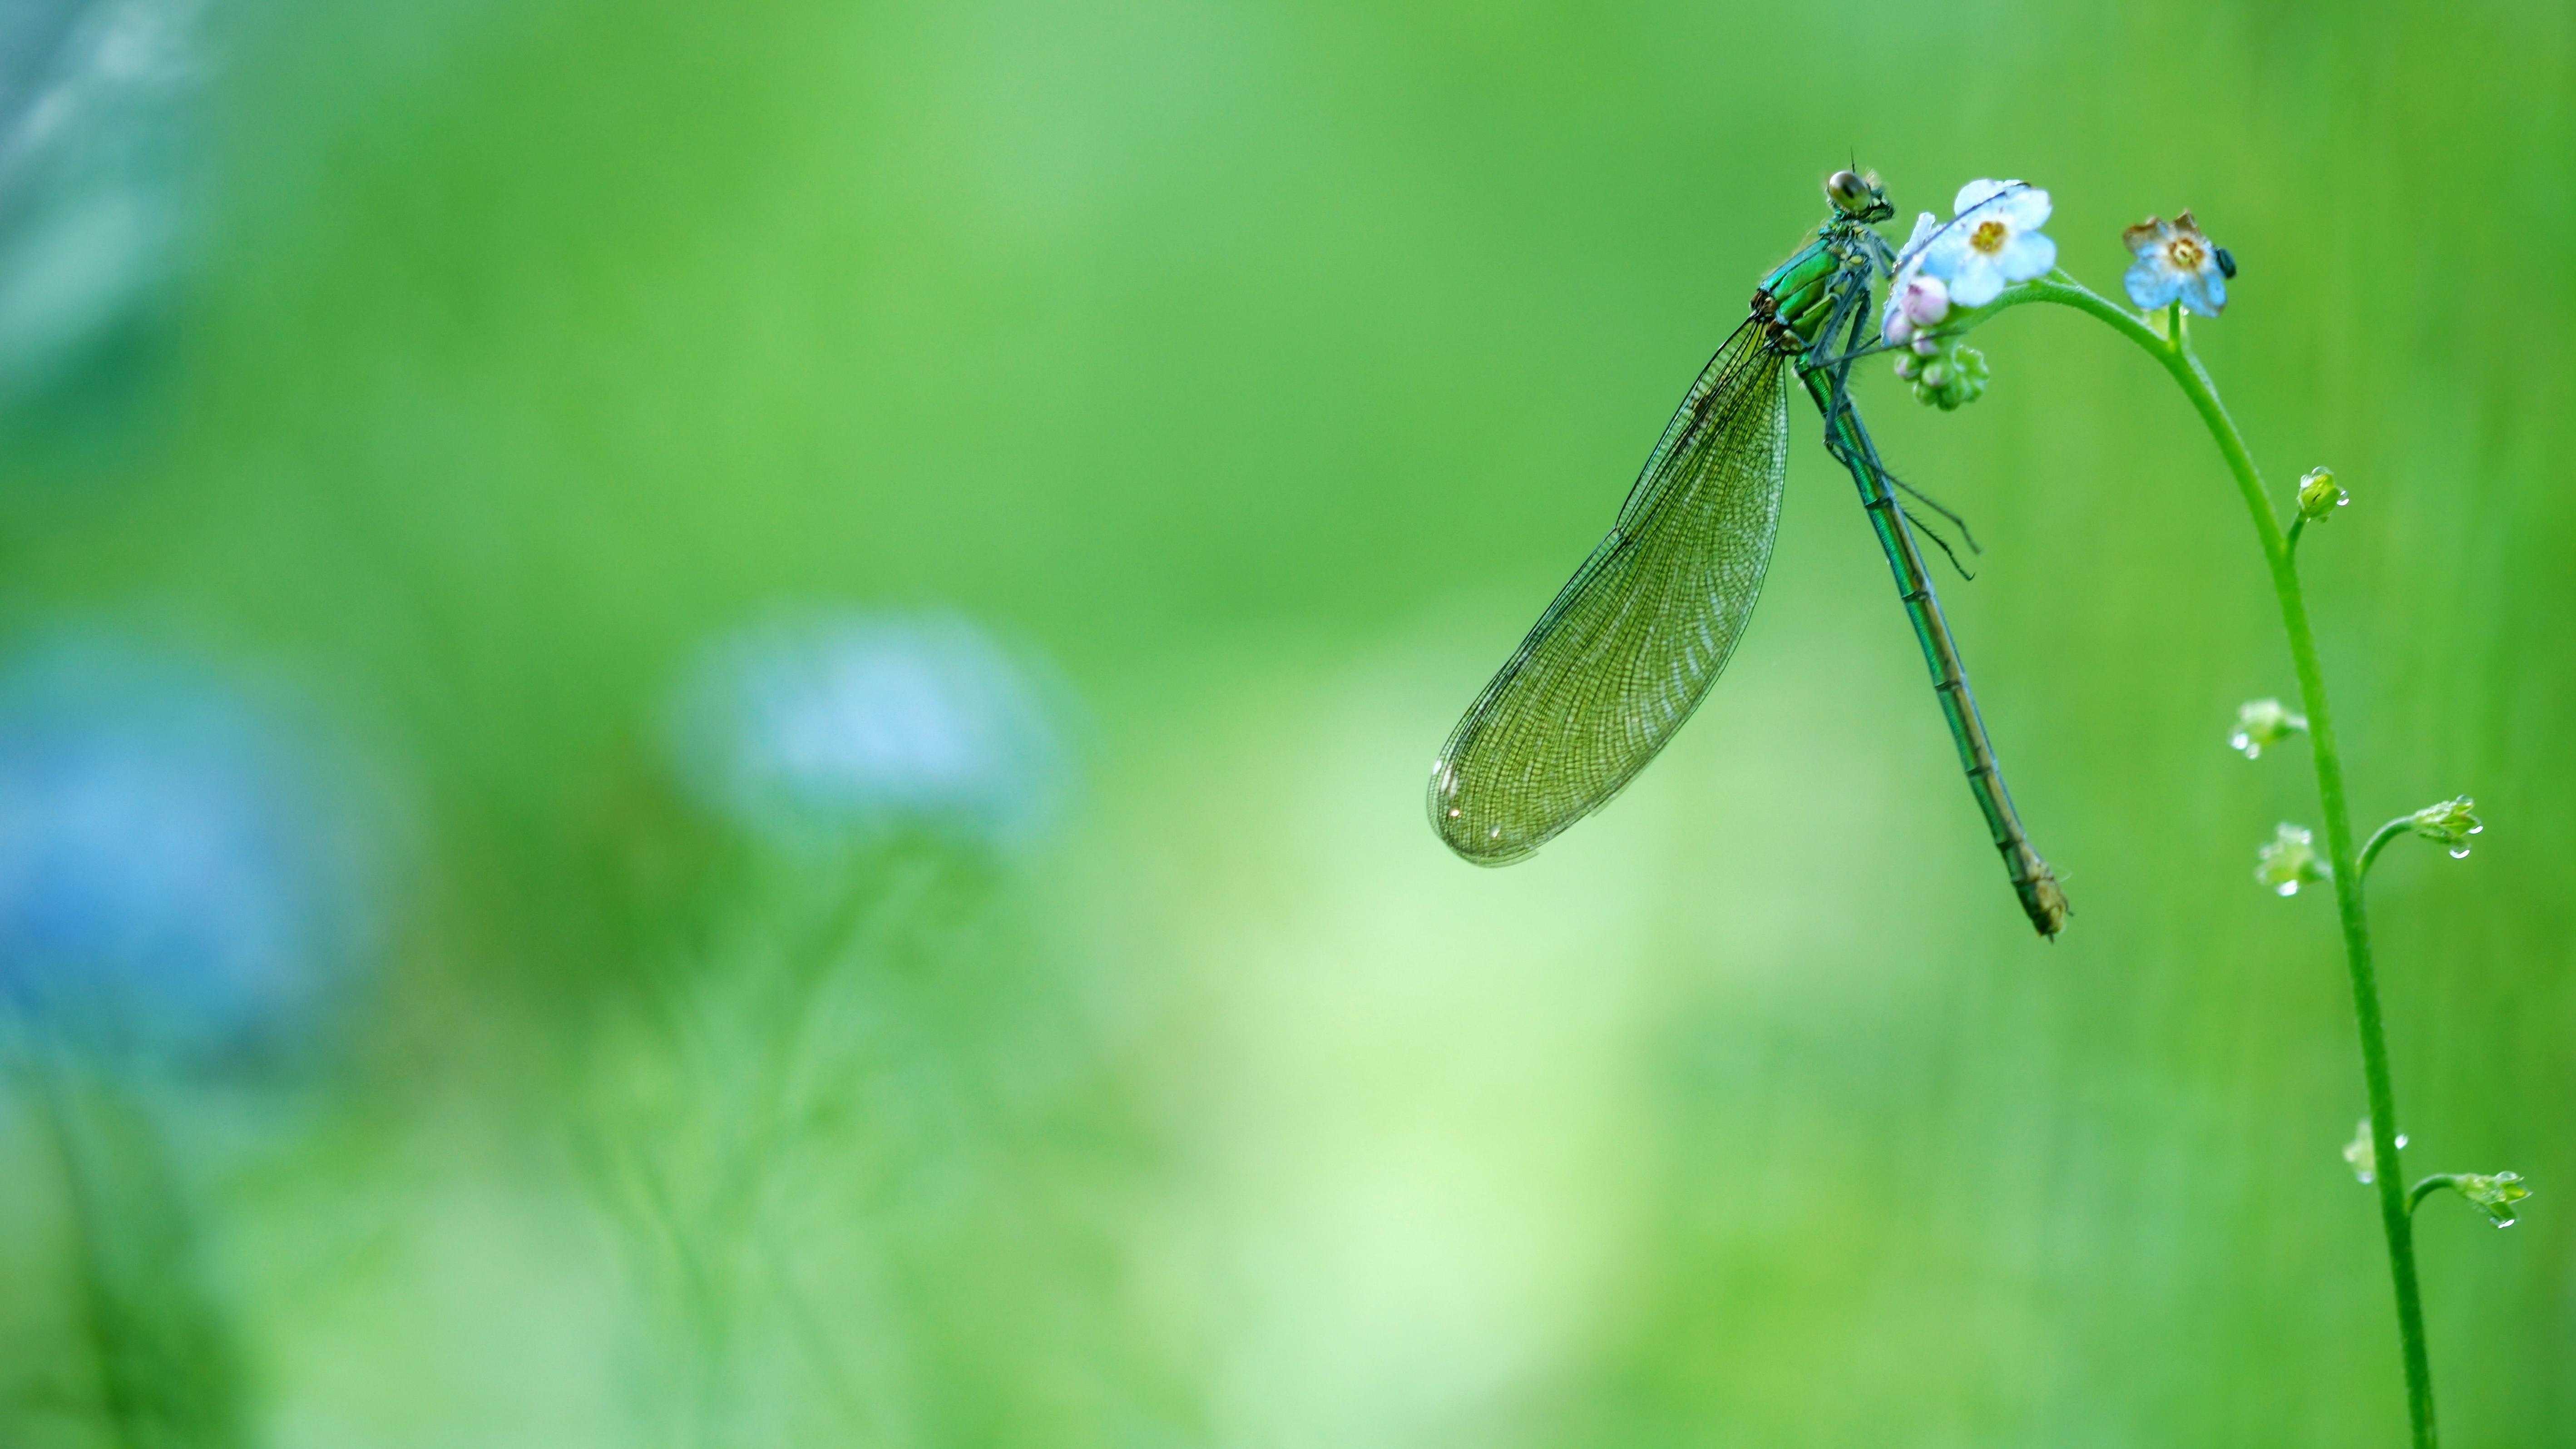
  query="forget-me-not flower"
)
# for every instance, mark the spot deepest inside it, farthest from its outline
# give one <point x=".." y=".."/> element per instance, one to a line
<point x="1992" y="241"/>
<point x="837" y="727"/>
<point x="2175" y="262"/>
<point x="178" y="863"/>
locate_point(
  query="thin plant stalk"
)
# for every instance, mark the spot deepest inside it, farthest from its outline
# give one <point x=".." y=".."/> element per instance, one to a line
<point x="2172" y="351"/>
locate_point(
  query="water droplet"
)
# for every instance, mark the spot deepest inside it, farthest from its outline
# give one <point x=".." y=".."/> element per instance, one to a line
<point x="2476" y="829"/>
<point x="2459" y="852"/>
<point x="2505" y="1222"/>
<point x="2287" y="888"/>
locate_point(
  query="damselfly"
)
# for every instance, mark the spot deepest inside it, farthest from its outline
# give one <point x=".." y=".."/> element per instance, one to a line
<point x="1633" y="641"/>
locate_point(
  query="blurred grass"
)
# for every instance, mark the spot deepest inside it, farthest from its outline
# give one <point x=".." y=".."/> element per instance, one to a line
<point x="1268" y="367"/>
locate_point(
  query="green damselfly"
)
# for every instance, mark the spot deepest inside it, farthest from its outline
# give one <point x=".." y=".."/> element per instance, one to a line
<point x="1633" y="641"/>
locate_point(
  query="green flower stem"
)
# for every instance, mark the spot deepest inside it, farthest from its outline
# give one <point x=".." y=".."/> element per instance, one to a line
<point x="2172" y="351"/>
<point x="2379" y="839"/>
<point x="2430" y="1186"/>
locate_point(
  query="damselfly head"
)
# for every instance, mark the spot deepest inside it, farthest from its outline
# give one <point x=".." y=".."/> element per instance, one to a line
<point x="1857" y="194"/>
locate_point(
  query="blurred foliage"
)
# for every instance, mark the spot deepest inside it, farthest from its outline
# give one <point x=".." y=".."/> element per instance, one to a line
<point x="1267" y="368"/>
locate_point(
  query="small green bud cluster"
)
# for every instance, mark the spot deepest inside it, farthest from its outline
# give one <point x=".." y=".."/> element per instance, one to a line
<point x="2449" y="823"/>
<point x="2261" y="723"/>
<point x="1950" y="376"/>
<point x="2364" y="1157"/>
<point x="2290" y="861"/>
<point x="2496" y="1192"/>
<point x="2319" y="497"/>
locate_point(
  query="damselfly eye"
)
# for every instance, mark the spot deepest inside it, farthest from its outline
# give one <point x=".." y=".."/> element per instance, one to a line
<point x="1847" y="192"/>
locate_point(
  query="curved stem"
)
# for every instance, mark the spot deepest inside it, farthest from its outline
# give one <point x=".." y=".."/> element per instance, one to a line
<point x="2172" y="351"/>
<point x="2379" y="839"/>
<point x="2430" y="1186"/>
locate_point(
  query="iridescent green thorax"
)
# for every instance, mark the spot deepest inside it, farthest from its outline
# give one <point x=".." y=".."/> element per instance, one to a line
<point x="1798" y="295"/>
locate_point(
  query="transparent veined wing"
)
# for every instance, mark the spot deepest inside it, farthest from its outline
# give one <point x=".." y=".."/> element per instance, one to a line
<point x="1633" y="641"/>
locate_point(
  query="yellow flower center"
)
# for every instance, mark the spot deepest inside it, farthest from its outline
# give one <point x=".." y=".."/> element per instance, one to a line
<point x="2184" y="254"/>
<point x="1989" y="237"/>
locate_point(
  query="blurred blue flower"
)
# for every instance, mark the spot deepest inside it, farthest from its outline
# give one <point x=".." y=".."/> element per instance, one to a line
<point x="1992" y="240"/>
<point x="93" y="128"/>
<point x="2175" y="262"/>
<point x="825" y="729"/>
<point x="171" y="867"/>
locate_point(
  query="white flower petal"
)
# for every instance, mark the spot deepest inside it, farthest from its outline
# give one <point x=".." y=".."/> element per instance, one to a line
<point x="2023" y="210"/>
<point x="1977" y="282"/>
<point x="1976" y="193"/>
<point x="2027" y="255"/>
<point x="1943" y="257"/>
<point x="1924" y="226"/>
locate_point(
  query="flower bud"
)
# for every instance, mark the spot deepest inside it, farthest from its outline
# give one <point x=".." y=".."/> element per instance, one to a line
<point x="2289" y="861"/>
<point x="2362" y="1155"/>
<point x="2262" y="722"/>
<point x="2318" y="495"/>
<point x="2449" y="823"/>
<point x="2496" y="1192"/>
<point x="1923" y="300"/>
<point x="1955" y="380"/>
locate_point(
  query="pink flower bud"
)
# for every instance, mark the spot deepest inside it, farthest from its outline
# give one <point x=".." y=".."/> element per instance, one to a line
<point x="1922" y="300"/>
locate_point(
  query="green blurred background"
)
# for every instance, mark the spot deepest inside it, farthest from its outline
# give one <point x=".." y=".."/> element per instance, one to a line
<point x="1254" y="373"/>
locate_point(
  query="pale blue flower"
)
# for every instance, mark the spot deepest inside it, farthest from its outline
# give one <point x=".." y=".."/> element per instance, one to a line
<point x="1992" y="242"/>
<point x="177" y="863"/>
<point x="824" y="729"/>
<point x="1926" y="227"/>
<point x="2175" y="262"/>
